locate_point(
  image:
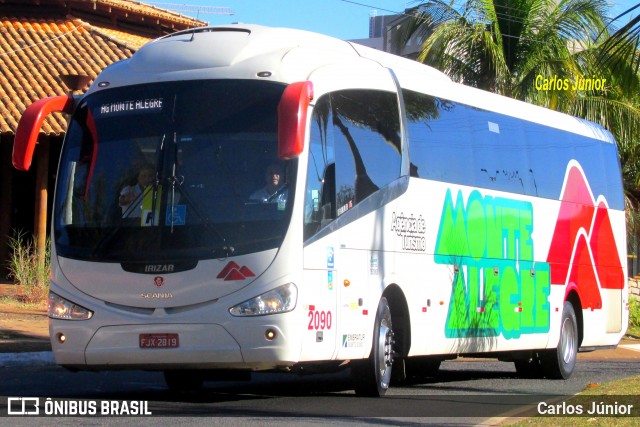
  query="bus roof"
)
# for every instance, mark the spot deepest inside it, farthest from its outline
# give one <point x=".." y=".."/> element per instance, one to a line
<point x="242" y="51"/>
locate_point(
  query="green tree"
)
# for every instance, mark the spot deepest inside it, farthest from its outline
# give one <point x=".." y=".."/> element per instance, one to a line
<point x="620" y="55"/>
<point x="504" y="45"/>
<point x="621" y="49"/>
<point x="507" y="46"/>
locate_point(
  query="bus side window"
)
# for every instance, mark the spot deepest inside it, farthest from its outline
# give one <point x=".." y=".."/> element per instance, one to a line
<point x="366" y="128"/>
<point x="328" y="202"/>
<point x="320" y="201"/>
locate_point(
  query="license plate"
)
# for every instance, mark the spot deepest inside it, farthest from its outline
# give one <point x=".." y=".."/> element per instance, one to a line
<point x="159" y="341"/>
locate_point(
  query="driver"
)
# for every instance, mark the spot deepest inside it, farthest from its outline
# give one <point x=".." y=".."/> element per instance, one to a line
<point x="273" y="191"/>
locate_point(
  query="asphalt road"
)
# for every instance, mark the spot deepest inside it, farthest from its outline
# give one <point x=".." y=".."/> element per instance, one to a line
<point x="463" y="393"/>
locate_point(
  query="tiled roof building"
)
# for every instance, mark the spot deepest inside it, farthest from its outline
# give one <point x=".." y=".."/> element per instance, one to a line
<point x="35" y="52"/>
<point x="43" y="39"/>
<point x="40" y="40"/>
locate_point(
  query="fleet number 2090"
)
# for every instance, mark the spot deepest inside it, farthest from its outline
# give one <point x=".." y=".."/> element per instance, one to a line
<point x="319" y="320"/>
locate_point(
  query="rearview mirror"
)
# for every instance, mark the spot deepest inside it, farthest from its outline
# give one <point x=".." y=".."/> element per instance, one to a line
<point x="292" y="119"/>
<point x="30" y="124"/>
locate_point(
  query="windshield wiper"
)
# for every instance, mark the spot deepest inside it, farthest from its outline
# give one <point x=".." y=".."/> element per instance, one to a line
<point x="173" y="180"/>
<point x="176" y="183"/>
<point x="156" y="182"/>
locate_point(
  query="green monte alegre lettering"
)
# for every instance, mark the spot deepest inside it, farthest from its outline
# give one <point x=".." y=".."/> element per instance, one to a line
<point x="497" y="286"/>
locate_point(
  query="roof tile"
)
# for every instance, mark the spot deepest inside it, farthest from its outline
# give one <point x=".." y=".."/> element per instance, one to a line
<point x="34" y="52"/>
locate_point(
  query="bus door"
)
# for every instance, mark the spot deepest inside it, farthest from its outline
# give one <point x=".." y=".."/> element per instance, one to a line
<point x="357" y="297"/>
<point x="368" y="165"/>
<point x="321" y="244"/>
<point x="354" y="156"/>
<point x="319" y="300"/>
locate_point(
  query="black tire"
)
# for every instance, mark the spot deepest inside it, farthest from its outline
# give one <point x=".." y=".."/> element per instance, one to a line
<point x="181" y="381"/>
<point x="530" y="367"/>
<point x="373" y="375"/>
<point x="560" y="363"/>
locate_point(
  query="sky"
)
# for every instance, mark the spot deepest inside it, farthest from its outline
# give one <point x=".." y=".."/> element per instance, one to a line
<point x="344" y="19"/>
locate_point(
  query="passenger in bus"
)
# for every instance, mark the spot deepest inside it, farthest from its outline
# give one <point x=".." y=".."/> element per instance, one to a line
<point x="131" y="194"/>
<point x="273" y="191"/>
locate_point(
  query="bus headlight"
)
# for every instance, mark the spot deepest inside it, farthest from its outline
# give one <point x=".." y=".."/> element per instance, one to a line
<point x="60" y="308"/>
<point x="278" y="300"/>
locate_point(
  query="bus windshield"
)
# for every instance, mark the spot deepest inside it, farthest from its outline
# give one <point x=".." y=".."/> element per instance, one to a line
<point x="168" y="171"/>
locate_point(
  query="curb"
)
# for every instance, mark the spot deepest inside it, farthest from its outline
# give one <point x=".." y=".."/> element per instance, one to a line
<point x="635" y="347"/>
<point x="36" y="358"/>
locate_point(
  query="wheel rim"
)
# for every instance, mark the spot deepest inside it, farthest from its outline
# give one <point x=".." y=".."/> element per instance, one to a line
<point x="568" y="341"/>
<point x="385" y="358"/>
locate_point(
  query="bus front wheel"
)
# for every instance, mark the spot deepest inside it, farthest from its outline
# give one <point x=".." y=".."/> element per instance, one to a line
<point x="559" y="363"/>
<point x="372" y="375"/>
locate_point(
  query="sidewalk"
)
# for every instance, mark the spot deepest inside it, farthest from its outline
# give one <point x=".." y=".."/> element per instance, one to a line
<point x="22" y="329"/>
<point x="628" y="348"/>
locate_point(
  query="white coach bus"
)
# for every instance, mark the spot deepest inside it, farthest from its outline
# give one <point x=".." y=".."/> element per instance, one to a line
<point x="240" y="198"/>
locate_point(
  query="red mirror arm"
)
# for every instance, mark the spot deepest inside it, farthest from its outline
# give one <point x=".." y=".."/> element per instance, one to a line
<point x="30" y="124"/>
<point x="292" y="119"/>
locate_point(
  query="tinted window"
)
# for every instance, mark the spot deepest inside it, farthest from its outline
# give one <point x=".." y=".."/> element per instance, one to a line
<point x="367" y="143"/>
<point x="320" y="194"/>
<point x="167" y="171"/>
<point x="456" y="143"/>
<point x="354" y="151"/>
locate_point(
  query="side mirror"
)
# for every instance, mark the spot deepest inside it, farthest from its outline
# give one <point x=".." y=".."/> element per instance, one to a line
<point x="292" y="119"/>
<point x="30" y="124"/>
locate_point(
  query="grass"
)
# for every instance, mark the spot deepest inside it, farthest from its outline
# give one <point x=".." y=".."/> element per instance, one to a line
<point x="29" y="269"/>
<point x="16" y="303"/>
<point x="634" y="318"/>
<point x="598" y="393"/>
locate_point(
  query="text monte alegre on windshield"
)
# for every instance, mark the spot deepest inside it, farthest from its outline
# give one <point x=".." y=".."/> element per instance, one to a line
<point x="131" y="105"/>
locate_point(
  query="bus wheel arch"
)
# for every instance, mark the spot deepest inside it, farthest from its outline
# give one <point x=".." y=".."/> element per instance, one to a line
<point x="390" y="343"/>
<point x="551" y="363"/>
<point x="372" y="376"/>
<point x="401" y="320"/>
<point x="560" y="362"/>
<point x="573" y="298"/>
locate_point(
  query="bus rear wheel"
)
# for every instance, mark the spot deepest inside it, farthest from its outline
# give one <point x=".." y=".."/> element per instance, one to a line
<point x="559" y="363"/>
<point x="372" y="376"/>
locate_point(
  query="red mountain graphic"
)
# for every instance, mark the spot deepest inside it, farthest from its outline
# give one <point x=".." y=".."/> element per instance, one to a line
<point x="233" y="271"/>
<point x="583" y="248"/>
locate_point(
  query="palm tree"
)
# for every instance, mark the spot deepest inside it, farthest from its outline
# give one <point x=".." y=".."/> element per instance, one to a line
<point x="620" y="54"/>
<point x="621" y="49"/>
<point x="508" y="46"/>
<point x="503" y="45"/>
<point x="619" y="57"/>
